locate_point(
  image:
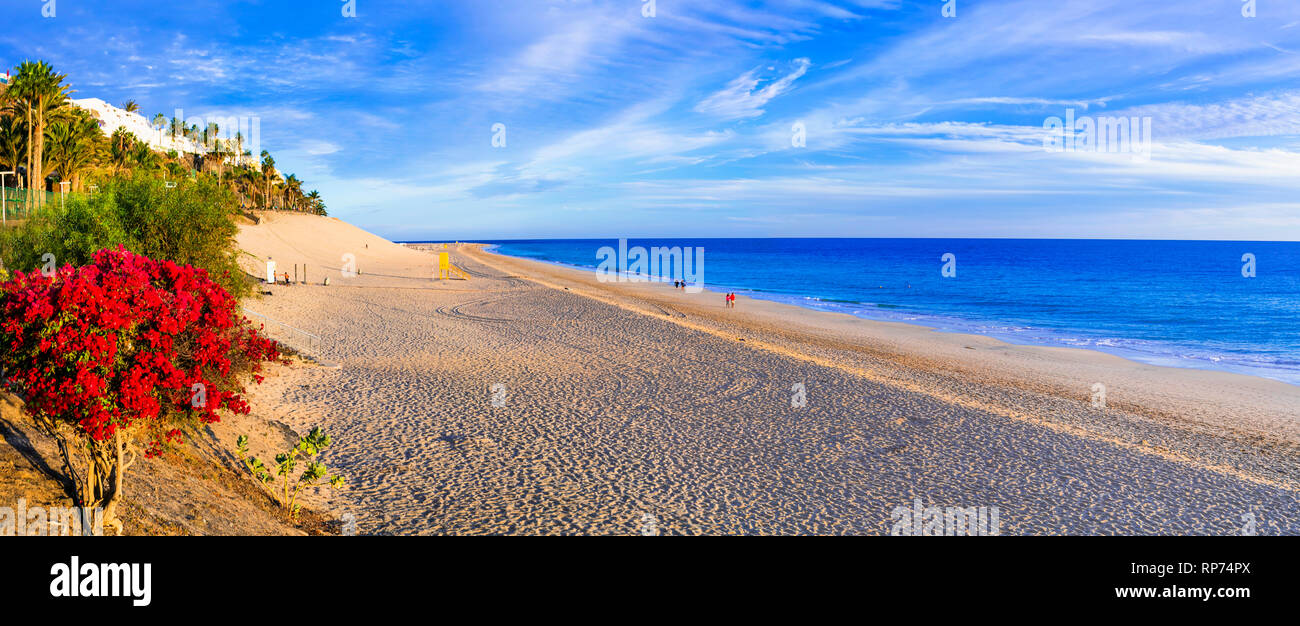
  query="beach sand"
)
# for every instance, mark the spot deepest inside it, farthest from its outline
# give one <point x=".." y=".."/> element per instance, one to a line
<point x="533" y="399"/>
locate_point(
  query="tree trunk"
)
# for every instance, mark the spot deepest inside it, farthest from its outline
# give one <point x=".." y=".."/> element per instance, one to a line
<point x="116" y="489"/>
<point x="102" y="484"/>
<point x="38" y="154"/>
<point x="31" y="195"/>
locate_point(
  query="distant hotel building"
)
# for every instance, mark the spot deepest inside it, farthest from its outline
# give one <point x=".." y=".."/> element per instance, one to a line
<point x="111" y="118"/>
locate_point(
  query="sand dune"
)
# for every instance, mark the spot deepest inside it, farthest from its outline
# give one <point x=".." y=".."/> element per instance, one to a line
<point x="532" y="399"/>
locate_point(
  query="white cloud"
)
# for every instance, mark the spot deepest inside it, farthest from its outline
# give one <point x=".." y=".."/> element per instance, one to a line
<point x="1044" y="102"/>
<point x="1195" y="42"/>
<point x="559" y="58"/>
<point x="316" y="147"/>
<point x="1259" y="116"/>
<point x="739" y="100"/>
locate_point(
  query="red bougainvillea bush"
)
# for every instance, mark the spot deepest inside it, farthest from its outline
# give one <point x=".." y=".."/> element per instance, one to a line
<point x="124" y="347"/>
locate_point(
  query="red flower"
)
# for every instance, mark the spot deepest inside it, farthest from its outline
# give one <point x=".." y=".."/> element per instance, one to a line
<point x="127" y="341"/>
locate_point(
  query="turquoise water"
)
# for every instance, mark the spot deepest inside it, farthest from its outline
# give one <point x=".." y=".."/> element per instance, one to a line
<point x="1178" y="303"/>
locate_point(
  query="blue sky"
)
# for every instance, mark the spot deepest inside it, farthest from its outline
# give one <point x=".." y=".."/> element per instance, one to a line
<point x="682" y="124"/>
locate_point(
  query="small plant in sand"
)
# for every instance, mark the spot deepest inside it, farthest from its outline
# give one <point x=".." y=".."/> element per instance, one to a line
<point x="313" y="475"/>
<point x="255" y="467"/>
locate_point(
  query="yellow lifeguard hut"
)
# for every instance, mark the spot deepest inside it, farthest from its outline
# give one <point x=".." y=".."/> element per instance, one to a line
<point x="447" y="270"/>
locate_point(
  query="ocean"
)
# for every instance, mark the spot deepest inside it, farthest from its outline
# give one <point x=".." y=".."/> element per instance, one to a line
<point x="1174" y="303"/>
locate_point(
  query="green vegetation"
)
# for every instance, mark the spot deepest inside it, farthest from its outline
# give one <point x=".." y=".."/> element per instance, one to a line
<point x="189" y="224"/>
<point x="179" y="207"/>
<point x="313" y="475"/>
<point x="35" y="95"/>
<point x="46" y="140"/>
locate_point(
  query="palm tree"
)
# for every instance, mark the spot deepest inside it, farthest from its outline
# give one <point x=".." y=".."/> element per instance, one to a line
<point x="130" y="106"/>
<point x="314" y="203"/>
<point x="240" y="182"/>
<point x="268" y="172"/>
<point x="121" y="149"/>
<point x="220" y="151"/>
<point x="145" y="158"/>
<point x="42" y="92"/>
<point x="160" y="122"/>
<point x="74" y="145"/>
<point x="214" y="157"/>
<point x="292" y="191"/>
<point x="18" y="102"/>
<point x="13" y="143"/>
<point x="252" y="181"/>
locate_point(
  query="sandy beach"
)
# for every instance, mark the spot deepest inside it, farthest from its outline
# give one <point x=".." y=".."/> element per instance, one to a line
<point x="533" y="399"/>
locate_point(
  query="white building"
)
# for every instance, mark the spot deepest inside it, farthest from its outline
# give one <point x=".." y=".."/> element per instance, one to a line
<point x="111" y="118"/>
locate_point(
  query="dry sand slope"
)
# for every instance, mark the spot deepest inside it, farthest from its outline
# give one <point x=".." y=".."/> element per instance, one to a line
<point x="622" y="405"/>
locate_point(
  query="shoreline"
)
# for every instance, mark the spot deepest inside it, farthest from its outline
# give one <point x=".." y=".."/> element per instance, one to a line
<point x="951" y="325"/>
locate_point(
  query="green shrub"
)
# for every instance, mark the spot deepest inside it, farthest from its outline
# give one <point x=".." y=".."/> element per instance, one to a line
<point x="72" y="234"/>
<point x="190" y="224"/>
